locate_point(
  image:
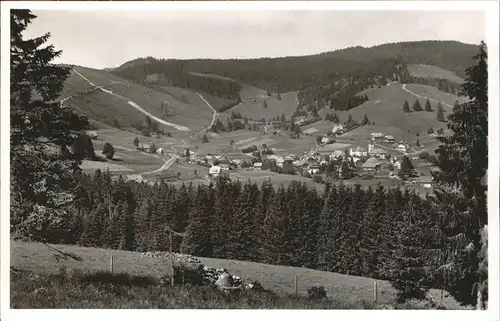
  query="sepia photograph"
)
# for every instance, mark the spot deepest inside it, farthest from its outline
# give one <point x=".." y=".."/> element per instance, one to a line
<point x="264" y="156"/>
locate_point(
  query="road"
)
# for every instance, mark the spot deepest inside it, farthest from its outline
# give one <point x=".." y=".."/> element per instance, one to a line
<point x="214" y="116"/>
<point x="423" y="97"/>
<point x="135" y="105"/>
<point x="165" y="166"/>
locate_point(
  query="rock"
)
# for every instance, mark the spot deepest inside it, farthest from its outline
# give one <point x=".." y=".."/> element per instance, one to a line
<point x="224" y="280"/>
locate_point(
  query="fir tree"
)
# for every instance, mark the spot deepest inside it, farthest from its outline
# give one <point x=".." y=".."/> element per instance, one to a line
<point x="440" y="113"/>
<point x="136" y="142"/>
<point x="463" y="160"/>
<point x="108" y="150"/>
<point x="417" y="106"/>
<point x="41" y="132"/>
<point x="428" y="106"/>
<point x="406" y="107"/>
<point x="365" y="120"/>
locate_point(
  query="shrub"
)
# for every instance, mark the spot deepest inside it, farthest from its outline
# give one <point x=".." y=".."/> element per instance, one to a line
<point x="316" y="293"/>
<point x="424" y="155"/>
<point x="108" y="150"/>
<point x="249" y="149"/>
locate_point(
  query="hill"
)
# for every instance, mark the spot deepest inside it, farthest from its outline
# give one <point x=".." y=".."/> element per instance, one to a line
<point x="38" y="258"/>
<point x="384" y="107"/>
<point x="113" y="100"/>
<point x="293" y="73"/>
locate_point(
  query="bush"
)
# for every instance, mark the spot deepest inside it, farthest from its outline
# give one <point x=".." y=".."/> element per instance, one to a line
<point x="424" y="155"/>
<point x="250" y="149"/>
<point x="316" y="293"/>
<point x="108" y="150"/>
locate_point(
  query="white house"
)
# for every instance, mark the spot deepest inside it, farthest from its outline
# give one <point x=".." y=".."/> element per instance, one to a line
<point x="377" y="152"/>
<point x="358" y="152"/>
<point x="257" y="166"/>
<point x="160" y="151"/>
<point x="92" y="134"/>
<point x="377" y="135"/>
<point x="401" y="148"/>
<point x="214" y="171"/>
<point x="325" y="140"/>
<point x="338" y="129"/>
<point x="389" y="139"/>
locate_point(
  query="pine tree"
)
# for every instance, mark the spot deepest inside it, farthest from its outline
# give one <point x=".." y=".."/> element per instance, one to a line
<point x="198" y="240"/>
<point x="428" y="106"/>
<point x="463" y="160"/>
<point x="275" y="226"/>
<point x="142" y="218"/>
<point x="417" y="106"/>
<point x="41" y="132"/>
<point x="136" y="142"/>
<point x="440" y="113"/>
<point x="326" y="232"/>
<point x="365" y="120"/>
<point x="406" y="107"/>
<point x="407" y="169"/>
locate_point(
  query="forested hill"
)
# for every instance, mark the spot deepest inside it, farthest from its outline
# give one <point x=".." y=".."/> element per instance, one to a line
<point x="295" y="73"/>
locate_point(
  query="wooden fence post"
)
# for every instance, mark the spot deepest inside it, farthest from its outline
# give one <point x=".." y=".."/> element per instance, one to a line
<point x="296" y="284"/>
<point x="375" y="292"/>
<point x="111" y="264"/>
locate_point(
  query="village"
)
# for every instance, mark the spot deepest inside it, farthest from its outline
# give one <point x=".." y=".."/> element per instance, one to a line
<point x="378" y="158"/>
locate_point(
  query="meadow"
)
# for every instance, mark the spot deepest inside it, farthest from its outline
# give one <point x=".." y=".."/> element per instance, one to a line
<point x="37" y="282"/>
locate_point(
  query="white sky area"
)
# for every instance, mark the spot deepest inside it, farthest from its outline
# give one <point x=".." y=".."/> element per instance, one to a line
<point x="108" y="38"/>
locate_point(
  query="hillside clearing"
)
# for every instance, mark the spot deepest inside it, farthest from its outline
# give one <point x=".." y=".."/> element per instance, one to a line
<point x="428" y="71"/>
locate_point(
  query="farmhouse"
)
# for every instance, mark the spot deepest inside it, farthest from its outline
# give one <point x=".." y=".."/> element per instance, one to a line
<point x="401" y="148"/>
<point x="92" y="134"/>
<point x="389" y="139"/>
<point x="214" y="171"/>
<point x="337" y="154"/>
<point x="371" y="165"/>
<point x="358" y="152"/>
<point x="160" y="151"/>
<point x="377" y="136"/>
<point x="313" y="168"/>
<point x="338" y="129"/>
<point x="424" y="181"/>
<point x="377" y="152"/>
<point x="257" y="166"/>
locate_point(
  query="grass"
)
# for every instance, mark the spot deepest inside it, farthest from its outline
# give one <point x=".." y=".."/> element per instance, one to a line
<point x="427" y="71"/>
<point x="186" y="107"/>
<point x="254" y="110"/>
<point x="385" y="108"/>
<point x="39" y="285"/>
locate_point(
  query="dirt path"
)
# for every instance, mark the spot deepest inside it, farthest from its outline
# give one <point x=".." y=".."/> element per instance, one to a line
<point x="164" y="167"/>
<point x="423" y="97"/>
<point x="135" y="105"/>
<point x="214" y="116"/>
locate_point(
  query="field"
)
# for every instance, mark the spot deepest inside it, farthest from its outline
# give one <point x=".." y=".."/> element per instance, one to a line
<point x="427" y="71"/>
<point x="186" y="107"/>
<point x="385" y="108"/>
<point x="36" y="257"/>
<point x="275" y="107"/>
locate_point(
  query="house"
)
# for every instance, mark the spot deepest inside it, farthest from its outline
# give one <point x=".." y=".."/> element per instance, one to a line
<point x="144" y="148"/>
<point x="225" y="167"/>
<point x="160" y="151"/>
<point x="214" y="171"/>
<point x="338" y="129"/>
<point x="389" y="139"/>
<point x="326" y="140"/>
<point x="358" y="152"/>
<point x="313" y="168"/>
<point x="257" y="166"/>
<point x="337" y="155"/>
<point x="401" y="148"/>
<point x="92" y="134"/>
<point x="377" y="152"/>
<point x="377" y="135"/>
<point x="424" y="181"/>
<point x="136" y="178"/>
<point x="371" y="165"/>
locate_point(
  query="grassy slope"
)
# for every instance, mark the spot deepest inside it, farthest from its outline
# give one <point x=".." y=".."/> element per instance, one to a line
<point x="187" y="108"/>
<point x="275" y="107"/>
<point x="38" y="258"/>
<point x="385" y="108"/>
<point x="428" y="71"/>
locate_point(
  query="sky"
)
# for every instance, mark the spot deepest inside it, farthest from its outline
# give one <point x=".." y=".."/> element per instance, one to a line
<point x="107" y="39"/>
